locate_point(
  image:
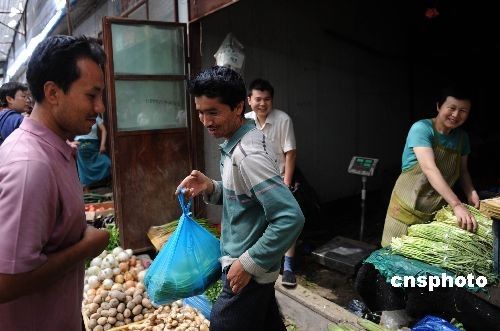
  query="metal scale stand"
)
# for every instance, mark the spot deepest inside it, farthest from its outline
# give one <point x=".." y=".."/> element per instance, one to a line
<point x="345" y="254"/>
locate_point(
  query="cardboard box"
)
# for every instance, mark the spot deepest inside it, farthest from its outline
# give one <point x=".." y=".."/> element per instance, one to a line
<point x="92" y="215"/>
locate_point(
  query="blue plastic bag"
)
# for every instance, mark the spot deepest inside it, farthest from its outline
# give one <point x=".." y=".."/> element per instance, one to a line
<point x="187" y="264"/>
<point x="201" y="303"/>
<point x="433" y="323"/>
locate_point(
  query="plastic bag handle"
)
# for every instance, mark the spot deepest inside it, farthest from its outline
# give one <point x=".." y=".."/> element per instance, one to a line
<point x="185" y="207"/>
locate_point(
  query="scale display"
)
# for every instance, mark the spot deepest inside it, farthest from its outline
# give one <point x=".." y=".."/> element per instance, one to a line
<point x="363" y="166"/>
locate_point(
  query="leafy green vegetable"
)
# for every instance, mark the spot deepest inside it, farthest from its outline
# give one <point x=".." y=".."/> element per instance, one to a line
<point x="114" y="237"/>
<point x="213" y="292"/>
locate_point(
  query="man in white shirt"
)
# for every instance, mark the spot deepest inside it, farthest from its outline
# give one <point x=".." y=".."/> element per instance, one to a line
<point x="277" y="126"/>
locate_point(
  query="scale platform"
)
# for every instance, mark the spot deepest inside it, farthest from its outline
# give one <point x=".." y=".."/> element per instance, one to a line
<point x="343" y="254"/>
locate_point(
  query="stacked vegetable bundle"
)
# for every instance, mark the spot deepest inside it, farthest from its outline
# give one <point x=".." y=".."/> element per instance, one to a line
<point x="444" y="244"/>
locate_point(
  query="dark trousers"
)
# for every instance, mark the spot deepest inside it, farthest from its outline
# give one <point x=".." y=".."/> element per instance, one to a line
<point x="254" y="308"/>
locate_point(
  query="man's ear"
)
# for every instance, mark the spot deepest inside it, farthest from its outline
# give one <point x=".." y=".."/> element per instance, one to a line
<point x="240" y="108"/>
<point x="10" y="100"/>
<point x="52" y="92"/>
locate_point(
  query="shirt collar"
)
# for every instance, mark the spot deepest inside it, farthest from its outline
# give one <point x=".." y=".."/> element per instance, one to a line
<point x="269" y="119"/>
<point x="48" y="136"/>
<point x="230" y="143"/>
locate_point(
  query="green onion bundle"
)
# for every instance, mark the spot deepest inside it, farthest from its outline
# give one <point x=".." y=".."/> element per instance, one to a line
<point x="444" y="244"/>
<point x="484" y="229"/>
<point x="461" y="239"/>
<point x="443" y="255"/>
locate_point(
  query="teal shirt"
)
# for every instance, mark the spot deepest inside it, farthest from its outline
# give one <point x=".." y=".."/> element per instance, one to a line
<point x="260" y="218"/>
<point x="421" y="134"/>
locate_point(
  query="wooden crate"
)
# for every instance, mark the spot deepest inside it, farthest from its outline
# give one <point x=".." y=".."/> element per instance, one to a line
<point x="491" y="207"/>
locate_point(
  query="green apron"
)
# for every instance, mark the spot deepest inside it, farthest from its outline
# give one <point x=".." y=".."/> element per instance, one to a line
<point x="413" y="198"/>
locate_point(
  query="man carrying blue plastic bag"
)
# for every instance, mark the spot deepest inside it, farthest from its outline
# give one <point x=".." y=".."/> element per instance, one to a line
<point x="260" y="217"/>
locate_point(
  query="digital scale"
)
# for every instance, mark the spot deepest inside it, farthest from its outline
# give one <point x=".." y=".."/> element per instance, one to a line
<point x="344" y="254"/>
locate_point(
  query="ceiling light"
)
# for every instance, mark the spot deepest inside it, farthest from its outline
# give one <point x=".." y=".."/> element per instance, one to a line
<point x="60" y="4"/>
<point x="26" y="53"/>
<point x="14" y="11"/>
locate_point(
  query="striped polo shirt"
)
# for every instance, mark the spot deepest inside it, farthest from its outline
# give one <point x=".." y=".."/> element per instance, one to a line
<point x="260" y="218"/>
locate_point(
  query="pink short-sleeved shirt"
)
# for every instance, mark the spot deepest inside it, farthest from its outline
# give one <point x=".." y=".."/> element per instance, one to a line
<point x="41" y="212"/>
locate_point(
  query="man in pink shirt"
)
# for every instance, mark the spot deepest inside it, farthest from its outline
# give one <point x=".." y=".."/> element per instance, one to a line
<point x="44" y="238"/>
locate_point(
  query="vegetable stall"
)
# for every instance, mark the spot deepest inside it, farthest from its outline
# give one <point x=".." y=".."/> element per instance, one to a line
<point x="438" y="251"/>
<point x="115" y="295"/>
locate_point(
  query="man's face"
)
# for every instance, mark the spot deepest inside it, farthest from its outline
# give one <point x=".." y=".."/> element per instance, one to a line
<point x="19" y="102"/>
<point x="217" y="117"/>
<point x="261" y="102"/>
<point x="77" y="109"/>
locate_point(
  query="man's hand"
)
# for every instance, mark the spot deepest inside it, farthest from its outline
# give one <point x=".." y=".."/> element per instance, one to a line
<point x="73" y="144"/>
<point x="237" y="276"/>
<point x="95" y="240"/>
<point x="464" y="218"/>
<point x="102" y="149"/>
<point x="194" y="184"/>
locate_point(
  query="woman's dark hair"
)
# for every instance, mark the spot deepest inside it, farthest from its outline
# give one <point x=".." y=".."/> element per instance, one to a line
<point x="9" y="90"/>
<point x="219" y="82"/>
<point x="54" y="59"/>
<point x="260" y="84"/>
<point x="456" y="91"/>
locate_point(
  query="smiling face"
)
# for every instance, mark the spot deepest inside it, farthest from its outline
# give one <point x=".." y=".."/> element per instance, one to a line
<point x="219" y="119"/>
<point x="75" y="111"/>
<point x="261" y="103"/>
<point x="452" y="114"/>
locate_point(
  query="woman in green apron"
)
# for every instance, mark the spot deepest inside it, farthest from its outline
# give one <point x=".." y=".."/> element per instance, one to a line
<point x="434" y="158"/>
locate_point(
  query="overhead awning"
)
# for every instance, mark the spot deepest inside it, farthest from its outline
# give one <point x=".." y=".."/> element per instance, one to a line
<point x="11" y="21"/>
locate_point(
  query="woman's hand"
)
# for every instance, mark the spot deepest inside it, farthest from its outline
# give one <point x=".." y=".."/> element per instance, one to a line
<point x="473" y="199"/>
<point x="194" y="184"/>
<point x="465" y="219"/>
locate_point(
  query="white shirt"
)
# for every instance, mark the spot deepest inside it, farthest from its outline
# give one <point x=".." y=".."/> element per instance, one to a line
<point x="278" y="130"/>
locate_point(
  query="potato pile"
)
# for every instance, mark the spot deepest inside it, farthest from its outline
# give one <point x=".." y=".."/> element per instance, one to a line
<point x="174" y="317"/>
<point x="114" y="294"/>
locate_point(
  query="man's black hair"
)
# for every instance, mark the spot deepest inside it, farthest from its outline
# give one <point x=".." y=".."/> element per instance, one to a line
<point x="9" y="90"/>
<point x="54" y="59"/>
<point x="260" y="84"/>
<point x="219" y="82"/>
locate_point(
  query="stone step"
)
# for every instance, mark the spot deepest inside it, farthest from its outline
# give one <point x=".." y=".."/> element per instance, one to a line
<point x="309" y="311"/>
